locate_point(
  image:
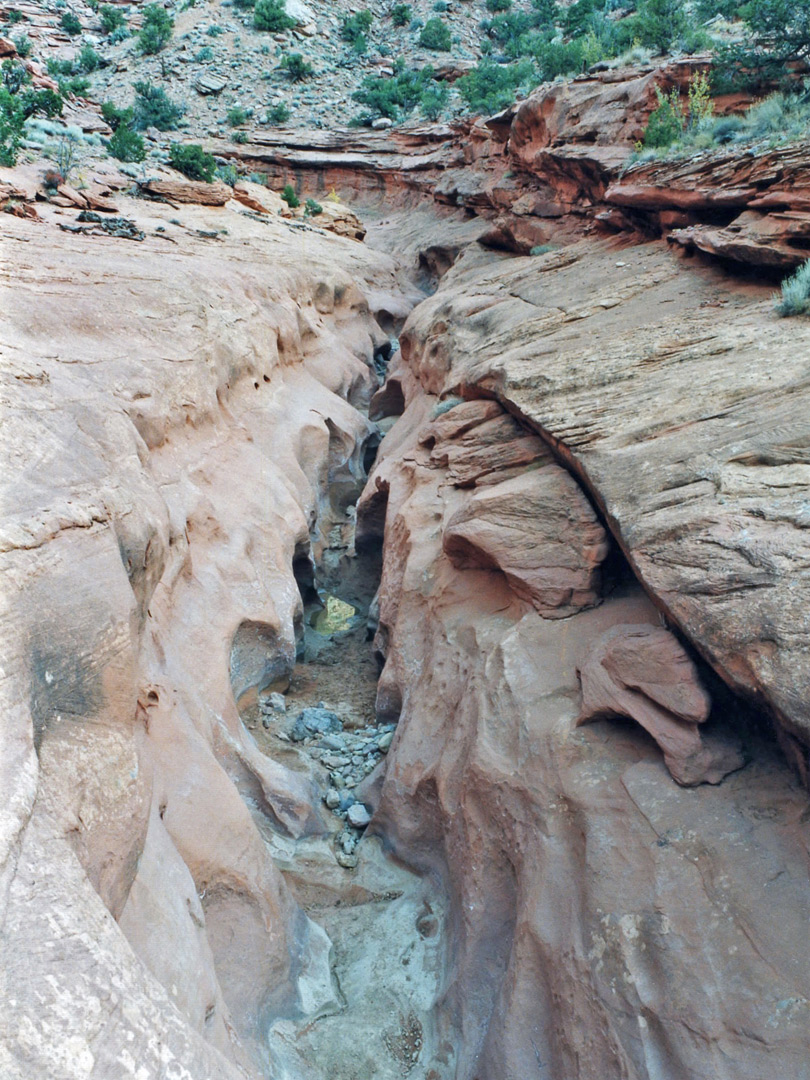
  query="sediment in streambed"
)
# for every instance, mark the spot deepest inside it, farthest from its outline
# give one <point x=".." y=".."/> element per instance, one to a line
<point x="384" y="922"/>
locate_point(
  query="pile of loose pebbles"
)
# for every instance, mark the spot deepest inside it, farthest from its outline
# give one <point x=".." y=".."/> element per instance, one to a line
<point x="348" y="756"/>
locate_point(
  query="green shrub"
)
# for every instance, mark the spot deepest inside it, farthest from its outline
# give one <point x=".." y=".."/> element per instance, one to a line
<point x="203" y="54"/>
<point x="241" y="137"/>
<point x="289" y="196"/>
<point x="434" y="100"/>
<point x="70" y="24"/>
<point x="547" y="12"/>
<point x="88" y="60"/>
<point x="660" y="23"/>
<point x="392" y="97"/>
<point x="543" y="249"/>
<point x="557" y="58"/>
<point x="778" y="43"/>
<point x="115" y="116"/>
<point x="354" y="28"/>
<point x="513" y="31"/>
<point x="154" y="108"/>
<point x="121" y="34"/>
<point x="401" y="14"/>
<point x="227" y="174"/>
<point x="312" y="208"/>
<point x="435" y="36"/>
<point x="12" y="119"/>
<point x="278" y="114"/>
<point x="59" y="67"/>
<point x="490" y="87"/>
<point x="111" y="19"/>
<point x="14" y="16"/>
<point x="577" y="17"/>
<point x="269" y="15"/>
<point x="297" y="67"/>
<point x="15" y="108"/>
<point x="192" y="161"/>
<point x="214" y="30"/>
<point x="47" y="102"/>
<point x="727" y="128"/>
<point x="237" y="116"/>
<point x="707" y="9"/>
<point x="794" y="298"/>
<point x="77" y="84"/>
<point x="14" y="75"/>
<point x="498" y="5"/>
<point x="156" y="30"/>
<point x="667" y="123"/>
<point x="23" y="45"/>
<point x="126" y="144"/>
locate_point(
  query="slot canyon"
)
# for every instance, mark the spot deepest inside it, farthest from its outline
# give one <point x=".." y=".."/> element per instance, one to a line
<point x="406" y="665"/>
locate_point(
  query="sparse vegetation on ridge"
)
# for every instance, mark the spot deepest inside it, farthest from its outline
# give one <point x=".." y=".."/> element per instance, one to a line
<point x="154" y="108"/>
<point x="289" y="197"/>
<point x="679" y="129"/>
<point x="489" y="53"/>
<point x="270" y="16"/>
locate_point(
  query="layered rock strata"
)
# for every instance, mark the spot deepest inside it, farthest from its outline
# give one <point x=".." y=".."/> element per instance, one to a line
<point x="562" y="160"/>
<point x="605" y="921"/>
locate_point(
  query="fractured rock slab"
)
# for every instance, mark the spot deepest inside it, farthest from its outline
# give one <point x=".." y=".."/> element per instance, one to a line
<point x="643" y="672"/>
<point x="541" y="531"/>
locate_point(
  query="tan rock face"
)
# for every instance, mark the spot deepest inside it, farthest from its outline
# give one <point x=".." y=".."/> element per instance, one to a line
<point x="633" y="365"/>
<point x="174" y="437"/>
<point x="643" y="672"/>
<point x="603" y="921"/>
<point x="188" y="191"/>
<point x="541" y="532"/>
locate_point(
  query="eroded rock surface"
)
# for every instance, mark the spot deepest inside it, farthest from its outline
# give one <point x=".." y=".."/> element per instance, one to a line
<point x="679" y="404"/>
<point x="180" y="426"/>
<point x="604" y="920"/>
<point x="643" y="672"/>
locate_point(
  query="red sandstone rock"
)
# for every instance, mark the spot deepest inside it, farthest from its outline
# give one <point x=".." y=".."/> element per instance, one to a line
<point x="173" y="450"/>
<point x="97" y="201"/>
<point x="483" y="453"/>
<point x="540" y="531"/>
<point x="188" y="191"/>
<point x="619" y="357"/>
<point x="72" y="196"/>
<point x="778" y="240"/>
<point x="591" y="897"/>
<point x="642" y="672"/>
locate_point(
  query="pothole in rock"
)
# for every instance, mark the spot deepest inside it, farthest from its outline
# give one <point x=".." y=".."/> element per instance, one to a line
<point x="377" y="1019"/>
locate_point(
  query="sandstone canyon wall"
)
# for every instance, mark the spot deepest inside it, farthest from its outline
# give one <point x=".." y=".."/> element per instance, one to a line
<point x="606" y="921"/>
<point x="592" y="625"/>
<point x="178" y="416"/>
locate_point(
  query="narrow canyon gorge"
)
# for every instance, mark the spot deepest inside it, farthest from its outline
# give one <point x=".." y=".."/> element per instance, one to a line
<point x="406" y="665"/>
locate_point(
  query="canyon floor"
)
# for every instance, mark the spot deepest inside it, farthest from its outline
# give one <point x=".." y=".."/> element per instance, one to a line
<point x="406" y="657"/>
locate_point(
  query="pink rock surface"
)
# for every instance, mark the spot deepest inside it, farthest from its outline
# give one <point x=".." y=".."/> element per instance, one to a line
<point x="540" y="531"/>
<point x="171" y="435"/>
<point x="643" y="672"/>
<point x="604" y="921"/>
